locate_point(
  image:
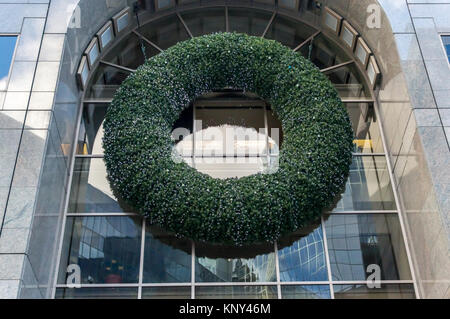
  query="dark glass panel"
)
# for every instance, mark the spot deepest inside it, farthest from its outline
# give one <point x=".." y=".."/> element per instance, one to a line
<point x="91" y="191"/>
<point x="107" y="249"/>
<point x="212" y="268"/>
<point x="306" y="292"/>
<point x="289" y="32"/>
<point x="249" y="22"/>
<point x="167" y="259"/>
<point x="358" y="241"/>
<point x="365" y="128"/>
<point x="368" y="186"/>
<point x="165" y="32"/>
<point x="205" y="21"/>
<point x="304" y="260"/>
<point x="166" y="293"/>
<point x="387" y="291"/>
<point x="91" y="129"/>
<point x="105" y="82"/>
<point x="96" y="293"/>
<point x="236" y="292"/>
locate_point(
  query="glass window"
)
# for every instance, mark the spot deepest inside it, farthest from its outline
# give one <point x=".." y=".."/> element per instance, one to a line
<point x="236" y="292"/>
<point x="213" y="266"/>
<point x="365" y="128"/>
<point x="306" y="292"/>
<point x="165" y="32"/>
<point x="105" y="82"/>
<point x="249" y="22"/>
<point x="166" y="293"/>
<point x="7" y="47"/>
<point x="304" y="260"/>
<point x="128" y="52"/>
<point x="446" y="41"/>
<point x="357" y="241"/>
<point x="96" y="293"/>
<point x="167" y="259"/>
<point x="205" y="21"/>
<point x="91" y="191"/>
<point x="107" y="249"/>
<point x="368" y="186"/>
<point x="348" y="82"/>
<point x="387" y="291"/>
<point x="288" y="31"/>
<point x="91" y="129"/>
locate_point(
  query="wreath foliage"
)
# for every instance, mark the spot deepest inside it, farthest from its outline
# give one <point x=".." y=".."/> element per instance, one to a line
<point x="313" y="164"/>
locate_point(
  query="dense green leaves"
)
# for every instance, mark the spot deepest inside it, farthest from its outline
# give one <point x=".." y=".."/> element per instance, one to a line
<point x="314" y="160"/>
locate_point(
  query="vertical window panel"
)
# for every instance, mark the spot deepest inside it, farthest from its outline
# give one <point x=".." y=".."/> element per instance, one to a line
<point x="304" y="260"/>
<point x="107" y="249"/>
<point x="358" y="241"/>
<point x="8" y="46"/>
<point x="167" y="259"/>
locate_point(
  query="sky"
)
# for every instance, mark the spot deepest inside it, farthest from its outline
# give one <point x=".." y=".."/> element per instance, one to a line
<point x="7" y="46"/>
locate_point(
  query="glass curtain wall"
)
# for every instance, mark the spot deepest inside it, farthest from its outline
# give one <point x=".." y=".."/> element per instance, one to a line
<point x="122" y="256"/>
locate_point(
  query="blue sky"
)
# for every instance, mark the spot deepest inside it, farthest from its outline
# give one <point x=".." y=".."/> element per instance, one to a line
<point x="7" y="46"/>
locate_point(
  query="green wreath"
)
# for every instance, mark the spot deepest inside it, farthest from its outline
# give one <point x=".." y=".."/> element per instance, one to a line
<point x="313" y="164"/>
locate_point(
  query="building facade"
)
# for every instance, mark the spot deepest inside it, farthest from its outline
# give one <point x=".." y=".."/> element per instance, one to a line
<point x="61" y="224"/>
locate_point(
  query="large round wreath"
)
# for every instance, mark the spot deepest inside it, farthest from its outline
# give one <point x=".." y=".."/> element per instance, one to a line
<point x="314" y="160"/>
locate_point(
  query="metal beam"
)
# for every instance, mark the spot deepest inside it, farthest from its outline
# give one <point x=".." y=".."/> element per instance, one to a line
<point x="301" y="45"/>
<point x="148" y="41"/>
<point x="184" y="24"/>
<point x="337" y="66"/>
<point x="269" y="24"/>
<point x="119" y="67"/>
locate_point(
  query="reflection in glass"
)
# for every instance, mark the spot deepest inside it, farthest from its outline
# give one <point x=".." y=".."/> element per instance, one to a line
<point x="446" y="41"/>
<point x="305" y="259"/>
<point x="165" y="32"/>
<point x="348" y="81"/>
<point x="128" y="52"/>
<point x="7" y="45"/>
<point x="288" y="31"/>
<point x="387" y="291"/>
<point x="91" y="129"/>
<point x="91" y="191"/>
<point x="205" y="21"/>
<point x="258" y="269"/>
<point x="368" y="187"/>
<point x="166" y="258"/>
<point x="357" y="241"/>
<point x="365" y="128"/>
<point x="96" y="293"/>
<point x="249" y="22"/>
<point x="166" y="293"/>
<point x="105" y="82"/>
<point x="306" y="292"/>
<point x="236" y="292"/>
<point x="107" y="249"/>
